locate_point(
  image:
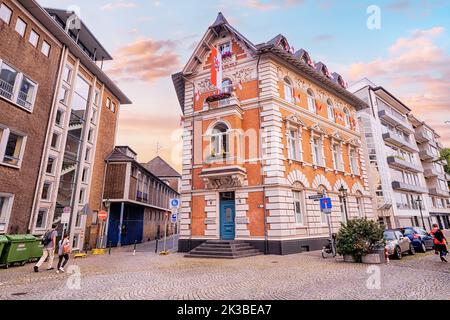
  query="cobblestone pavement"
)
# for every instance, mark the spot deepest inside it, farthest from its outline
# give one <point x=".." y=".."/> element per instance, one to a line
<point x="302" y="276"/>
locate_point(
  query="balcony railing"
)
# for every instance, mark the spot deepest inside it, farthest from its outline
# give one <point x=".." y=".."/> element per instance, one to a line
<point x="398" y="162"/>
<point x="6" y="89"/>
<point x="400" y="141"/>
<point x="427" y="154"/>
<point x="395" y="119"/>
<point x="22" y="100"/>
<point x="399" y="185"/>
<point x="439" y="192"/>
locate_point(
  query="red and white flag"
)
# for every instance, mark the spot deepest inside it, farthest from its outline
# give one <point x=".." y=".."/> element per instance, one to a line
<point x="216" y="68"/>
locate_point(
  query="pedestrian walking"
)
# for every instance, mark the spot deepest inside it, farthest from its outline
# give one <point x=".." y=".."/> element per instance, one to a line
<point x="440" y="242"/>
<point x="49" y="242"/>
<point x="63" y="253"/>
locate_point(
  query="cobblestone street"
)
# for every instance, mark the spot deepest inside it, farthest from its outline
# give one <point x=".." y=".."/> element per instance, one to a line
<point x="302" y="276"/>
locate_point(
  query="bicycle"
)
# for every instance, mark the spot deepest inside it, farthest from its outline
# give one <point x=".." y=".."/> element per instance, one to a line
<point x="328" y="249"/>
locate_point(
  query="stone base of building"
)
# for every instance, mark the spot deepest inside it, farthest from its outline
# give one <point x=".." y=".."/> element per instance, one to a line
<point x="275" y="247"/>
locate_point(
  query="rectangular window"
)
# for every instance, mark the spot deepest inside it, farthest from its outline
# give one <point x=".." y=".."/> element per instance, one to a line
<point x="360" y="203"/>
<point x="41" y="220"/>
<point x="13" y="147"/>
<point x="81" y="198"/>
<point x="55" y="140"/>
<point x="108" y="103"/>
<point x="51" y="165"/>
<point x="97" y="98"/>
<point x="293" y="145"/>
<point x="67" y="74"/>
<point x="225" y="48"/>
<point x="298" y="207"/>
<point x="26" y="94"/>
<point x="87" y="157"/>
<point x="59" y="121"/>
<point x="63" y="95"/>
<point x="336" y="157"/>
<point x="46" y="191"/>
<point x="21" y="27"/>
<point x="113" y="107"/>
<point x="317" y="151"/>
<point x="94" y="116"/>
<point x="343" y="212"/>
<point x="5" y="13"/>
<point x="91" y="135"/>
<point x="85" y="175"/>
<point x="45" y="48"/>
<point x="8" y="77"/>
<point x="5" y="210"/>
<point x="354" y="161"/>
<point x="34" y="38"/>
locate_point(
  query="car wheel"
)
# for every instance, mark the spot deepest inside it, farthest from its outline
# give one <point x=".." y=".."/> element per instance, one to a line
<point x="398" y="253"/>
<point x="423" y="247"/>
<point x="412" y="251"/>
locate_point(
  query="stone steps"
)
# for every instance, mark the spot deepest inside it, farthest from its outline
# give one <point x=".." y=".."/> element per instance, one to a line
<point x="223" y="250"/>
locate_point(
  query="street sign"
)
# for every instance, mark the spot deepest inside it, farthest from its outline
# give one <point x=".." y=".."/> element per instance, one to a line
<point x="326" y="205"/>
<point x="174" y="218"/>
<point x="65" y="217"/>
<point x="103" y="215"/>
<point x="316" y="197"/>
<point x="174" y="203"/>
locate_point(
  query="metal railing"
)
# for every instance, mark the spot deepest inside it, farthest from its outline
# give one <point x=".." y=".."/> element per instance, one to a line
<point x="22" y="100"/>
<point x="6" y="89"/>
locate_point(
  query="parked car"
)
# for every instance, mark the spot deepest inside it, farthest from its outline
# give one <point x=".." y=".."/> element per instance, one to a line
<point x="420" y="239"/>
<point x="397" y="244"/>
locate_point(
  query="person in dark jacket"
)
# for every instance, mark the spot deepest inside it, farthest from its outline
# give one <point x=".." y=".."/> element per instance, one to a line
<point x="440" y="242"/>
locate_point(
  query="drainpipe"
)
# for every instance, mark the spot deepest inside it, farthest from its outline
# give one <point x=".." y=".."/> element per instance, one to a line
<point x="266" y="242"/>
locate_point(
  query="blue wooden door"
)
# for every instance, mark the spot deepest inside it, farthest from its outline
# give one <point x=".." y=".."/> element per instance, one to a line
<point x="227" y="220"/>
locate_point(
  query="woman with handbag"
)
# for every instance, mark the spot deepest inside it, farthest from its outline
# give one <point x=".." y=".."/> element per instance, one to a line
<point x="63" y="252"/>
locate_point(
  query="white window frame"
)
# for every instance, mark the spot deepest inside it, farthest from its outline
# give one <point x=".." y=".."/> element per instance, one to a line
<point x="5" y="9"/>
<point x="49" y="193"/>
<point x="23" y="24"/>
<point x="321" y="162"/>
<point x="85" y="175"/>
<point x="346" y="117"/>
<point x="225" y="44"/>
<point x="338" y="164"/>
<point x="16" y="88"/>
<point x="45" y="48"/>
<point x="330" y="109"/>
<point x="63" y="115"/>
<point x="87" y="155"/>
<point x="55" y="159"/>
<point x="288" y="90"/>
<point x="58" y="142"/>
<point x="311" y="101"/>
<point x="299" y="216"/>
<point x="3" y="143"/>
<point x="6" y="211"/>
<point x="296" y="140"/>
<point x="44" y="220"/>
<point x="360" y="205"/>
<point x="82" y="197"/>
<point x="354" y="163"/>
<point x="37" y="37"/>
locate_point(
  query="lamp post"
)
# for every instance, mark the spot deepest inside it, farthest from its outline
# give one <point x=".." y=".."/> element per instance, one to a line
<point x="343" y="196"/>
<point x="107" y="204"/>
<point x="419" y="202"/>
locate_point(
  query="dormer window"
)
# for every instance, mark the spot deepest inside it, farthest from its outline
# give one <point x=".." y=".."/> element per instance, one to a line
<point x="347" y="117"/>
<point x="225" y="48"/>
<point x="288" y="90"/>
<point x="330" y="108"/>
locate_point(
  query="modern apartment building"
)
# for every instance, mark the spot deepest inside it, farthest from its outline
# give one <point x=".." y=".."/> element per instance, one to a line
<point x="139" y="200"/>
<point x="281" y="130"/>
<point x="436" y="178"/>
<point x="395" y="168"/>
<point x="77" y="120"/>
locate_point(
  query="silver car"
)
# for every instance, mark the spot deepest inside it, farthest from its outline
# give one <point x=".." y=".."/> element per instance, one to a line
<point x="397" y="244"/>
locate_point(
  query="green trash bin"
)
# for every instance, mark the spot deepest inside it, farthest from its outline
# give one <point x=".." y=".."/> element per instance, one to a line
<point x="17" y="250"/>
<point x="36" y="250"/>
<point x="3" y="242"/>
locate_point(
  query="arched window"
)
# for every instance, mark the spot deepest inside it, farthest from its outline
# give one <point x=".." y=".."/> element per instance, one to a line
<point x="347" y="117"/>
<point x="331" y="114"/>
<point x="288" y="91"/>
<point x="219" y="141"/>
<point x="311" y="101"/>
<point x="227" y="86"/>
<point x="360" y="203"/>
<point x="298" y="194"/>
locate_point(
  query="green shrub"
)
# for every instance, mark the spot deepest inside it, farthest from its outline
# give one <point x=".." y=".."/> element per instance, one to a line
<point x="358" y="237"/>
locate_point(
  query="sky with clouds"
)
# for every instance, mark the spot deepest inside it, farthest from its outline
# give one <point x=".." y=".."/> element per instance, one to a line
<point x="151" y="39"/>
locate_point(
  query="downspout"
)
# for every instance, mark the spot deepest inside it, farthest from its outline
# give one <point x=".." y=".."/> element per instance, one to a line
<point x="266" y="243"/>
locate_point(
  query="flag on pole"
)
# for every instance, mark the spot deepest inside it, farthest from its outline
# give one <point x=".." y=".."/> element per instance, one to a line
<point x="216" y="68"/>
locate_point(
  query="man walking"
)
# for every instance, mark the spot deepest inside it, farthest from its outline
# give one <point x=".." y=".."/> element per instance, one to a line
<point x="49" y="242"/>
<point x="440" y="242"/>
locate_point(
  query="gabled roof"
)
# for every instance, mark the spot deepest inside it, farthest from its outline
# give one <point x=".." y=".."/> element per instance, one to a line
<point x="117" y="156"/>
<point x="160" y="168"/>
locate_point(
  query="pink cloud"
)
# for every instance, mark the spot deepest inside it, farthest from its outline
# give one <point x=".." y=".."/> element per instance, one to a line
<point x="145" y="60"/>
<point x="418" y="71"/>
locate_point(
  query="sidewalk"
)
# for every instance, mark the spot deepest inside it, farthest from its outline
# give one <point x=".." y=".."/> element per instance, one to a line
<point x="150" y="246"/>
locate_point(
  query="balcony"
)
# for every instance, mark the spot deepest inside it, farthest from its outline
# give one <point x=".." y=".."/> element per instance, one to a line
<point x="224" y="177"/>
<point x="439" y="192"/>
<point x="396" y="120"/>
<point x="401" y="163"/>
<point x="6" y="89"/>
<point x="431" y="172"/>
<point x="402" y="186"/>
<point x="426" y="154"/>
<point x="400" y="141"/>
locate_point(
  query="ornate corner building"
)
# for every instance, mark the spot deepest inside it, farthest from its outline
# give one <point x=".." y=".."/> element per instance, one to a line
<point x="282" y="130"/>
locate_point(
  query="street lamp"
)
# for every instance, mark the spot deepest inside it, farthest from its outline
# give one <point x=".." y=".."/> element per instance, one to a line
<point x="343" y="196"/>
<point x="419" y="202"/>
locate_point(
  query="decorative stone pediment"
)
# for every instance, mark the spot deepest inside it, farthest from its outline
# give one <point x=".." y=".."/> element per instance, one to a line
<point x="354" y="142"/>
<point x="336" y="136"/>
<point x="318" y="129"/>
<point x="295" y="120"/>
<point x="224" y="177"/>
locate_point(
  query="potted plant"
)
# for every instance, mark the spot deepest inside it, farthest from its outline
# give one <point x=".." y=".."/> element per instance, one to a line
<point x="218" y="97"/>
<point x="227" y="54"/>
<point x="359" y="238"/>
